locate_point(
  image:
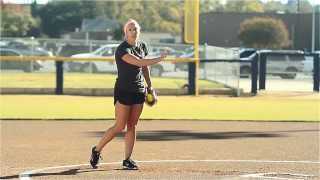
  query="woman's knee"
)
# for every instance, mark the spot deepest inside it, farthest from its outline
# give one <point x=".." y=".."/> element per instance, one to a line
<point x="118" y="127"/>
<point x="131" y="126"/>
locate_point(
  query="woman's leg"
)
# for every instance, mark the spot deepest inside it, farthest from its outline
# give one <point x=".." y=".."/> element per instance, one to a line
<point x="122" y="113"/>
<point x="130" y="136"/>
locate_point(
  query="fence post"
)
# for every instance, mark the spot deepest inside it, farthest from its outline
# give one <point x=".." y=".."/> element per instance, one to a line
<point x="59" y="77"/>
<point x="254" y="74"/>
<point x="191" y="78"/>
<point x="262" y="71"/>
<point x="316" y="72"/>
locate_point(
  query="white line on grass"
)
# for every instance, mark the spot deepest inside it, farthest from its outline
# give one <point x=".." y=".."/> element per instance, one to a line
<point x="27" y="174"/>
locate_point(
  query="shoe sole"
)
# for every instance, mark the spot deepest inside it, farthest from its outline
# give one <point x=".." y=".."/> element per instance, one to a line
<point x="93" y="166"/>
<point x="127" y="168"/>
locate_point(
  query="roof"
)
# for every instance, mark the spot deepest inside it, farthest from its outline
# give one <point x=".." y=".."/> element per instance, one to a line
<point x="99" y="24"/>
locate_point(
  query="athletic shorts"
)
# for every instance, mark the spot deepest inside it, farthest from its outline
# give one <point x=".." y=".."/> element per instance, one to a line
<point x="128" y="98"/>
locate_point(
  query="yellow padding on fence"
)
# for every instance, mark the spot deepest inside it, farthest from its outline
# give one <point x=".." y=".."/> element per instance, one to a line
<point x="61" y="58"/>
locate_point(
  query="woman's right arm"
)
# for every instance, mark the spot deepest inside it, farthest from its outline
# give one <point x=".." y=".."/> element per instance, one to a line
<point x="131" y="59"/>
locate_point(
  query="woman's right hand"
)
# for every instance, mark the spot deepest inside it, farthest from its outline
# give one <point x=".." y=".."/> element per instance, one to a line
<point x="163" y="55"/>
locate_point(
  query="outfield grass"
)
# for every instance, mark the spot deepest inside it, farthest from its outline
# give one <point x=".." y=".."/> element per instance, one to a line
<point x="169" y="107"/>
<point x="82" y="80"/>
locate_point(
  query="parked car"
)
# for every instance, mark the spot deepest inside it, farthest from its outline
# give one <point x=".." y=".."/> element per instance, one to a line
<point x="25" y="48"/>
<point x="189" y="53"/>
<point x="26" y="66"/>
<point x="159" y="69"/>
<point x="246" y="54"/>
<point x="308" y="63"/>
<point x="278" y="64"/>
<point x="96" y="66"/>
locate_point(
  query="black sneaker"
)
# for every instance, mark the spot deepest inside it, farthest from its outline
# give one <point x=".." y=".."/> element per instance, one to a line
<point x="129" y="164"/>
<point x="95" y="156"/>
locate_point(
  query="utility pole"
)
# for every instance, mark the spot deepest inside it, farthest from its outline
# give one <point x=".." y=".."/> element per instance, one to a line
<point x="313" y="28"/>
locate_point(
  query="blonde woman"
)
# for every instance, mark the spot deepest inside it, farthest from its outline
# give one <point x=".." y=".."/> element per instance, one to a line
<point x="129" y="92"/>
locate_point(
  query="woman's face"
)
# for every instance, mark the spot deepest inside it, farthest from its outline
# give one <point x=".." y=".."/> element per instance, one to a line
<point x="132" y="31"/>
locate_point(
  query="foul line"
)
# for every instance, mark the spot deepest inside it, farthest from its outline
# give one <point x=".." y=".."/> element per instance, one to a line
<point x="27" y="174"/>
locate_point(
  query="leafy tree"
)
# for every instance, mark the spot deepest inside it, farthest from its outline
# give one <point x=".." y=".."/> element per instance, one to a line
<point x="264" y="32"/>
<point x="64" y="16"/>
<point x="16" y="24"/>
<point x="59" y="17"/>
<point x="301" y="6"/>
<point x="244" y="6"/>
<point x="108" y="9"/>
<point x="211" y="6"/>
<point x="34" y="8"/>
<point x="274" y="6"/>
<point x="156" y="16"/>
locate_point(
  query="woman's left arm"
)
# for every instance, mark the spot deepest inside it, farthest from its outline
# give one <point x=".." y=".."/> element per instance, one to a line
<point x="146" y="74"/>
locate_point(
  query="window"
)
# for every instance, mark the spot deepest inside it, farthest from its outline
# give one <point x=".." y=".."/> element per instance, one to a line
<point x="296" y="57"/>
<point x="8" y="53"/>
<point x="276" y="57"/>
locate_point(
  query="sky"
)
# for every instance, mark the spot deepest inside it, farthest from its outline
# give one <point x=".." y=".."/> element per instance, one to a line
<point x="313" y="2"/>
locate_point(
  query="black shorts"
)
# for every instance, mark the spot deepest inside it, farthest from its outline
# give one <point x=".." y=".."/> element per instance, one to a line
<point x="128" y="98"/>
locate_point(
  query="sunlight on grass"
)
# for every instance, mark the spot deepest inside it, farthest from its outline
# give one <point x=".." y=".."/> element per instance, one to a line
<point x="168" y="107"/>
<point x="81" y="80"/>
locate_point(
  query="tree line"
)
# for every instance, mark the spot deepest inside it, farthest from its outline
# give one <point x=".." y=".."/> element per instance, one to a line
<point x="58" y="17"/>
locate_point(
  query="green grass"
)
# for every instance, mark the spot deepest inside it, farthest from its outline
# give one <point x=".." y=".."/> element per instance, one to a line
<point x="168" y="107"/>
<point x="81" y="80"/>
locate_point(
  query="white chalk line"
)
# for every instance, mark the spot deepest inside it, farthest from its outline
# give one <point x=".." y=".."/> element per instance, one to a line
<point x="265" y="176"/>
<point x="27" y="174"/>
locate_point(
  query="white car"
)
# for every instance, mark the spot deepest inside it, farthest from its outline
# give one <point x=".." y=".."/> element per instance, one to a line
<point x="308" y="63"/>
<point x="163" y="67"/>
<point x="97" y="66"/>
<point x="111" y="67"/>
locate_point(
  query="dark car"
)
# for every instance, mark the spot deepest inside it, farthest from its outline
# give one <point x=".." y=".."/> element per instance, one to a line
<point x="245" y="68"/>
<point x="283" y="63"/>
<point x="26" y="66"/>
<point x="25" y="49"/>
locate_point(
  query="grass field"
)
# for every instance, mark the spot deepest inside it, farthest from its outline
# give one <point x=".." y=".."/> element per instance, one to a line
<point x="273" y="108"/>
<point x="82" y="80"/>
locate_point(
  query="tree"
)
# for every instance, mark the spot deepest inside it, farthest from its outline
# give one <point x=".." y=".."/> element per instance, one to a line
<point x="299" y="6"/>
<point x="211" y="6"/>
<point x="244" y="6"/>
<point x="156" y="16"/>
<point x="16" y="24"/>
<point x="274" y="6"/>
<point x="61" y="17"/>
<point x="34" y="8"/>
<point x="264" y="32"/>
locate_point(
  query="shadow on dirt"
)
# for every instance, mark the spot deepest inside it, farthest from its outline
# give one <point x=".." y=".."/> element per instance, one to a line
<point x="172" y="135"/>
<point x="68" y="172"/>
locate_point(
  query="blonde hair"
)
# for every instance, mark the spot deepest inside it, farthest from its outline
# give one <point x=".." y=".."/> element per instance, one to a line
<point x="130" y="21"/>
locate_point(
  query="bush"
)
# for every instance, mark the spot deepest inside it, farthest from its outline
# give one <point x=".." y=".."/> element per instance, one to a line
<point x="264" y="32"/>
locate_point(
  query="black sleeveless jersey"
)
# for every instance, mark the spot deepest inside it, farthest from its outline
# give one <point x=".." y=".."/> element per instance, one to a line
<point x="130" y="77"/>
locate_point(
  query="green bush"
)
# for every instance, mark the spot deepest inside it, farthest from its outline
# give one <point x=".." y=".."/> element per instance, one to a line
<point x="264" y="32"/>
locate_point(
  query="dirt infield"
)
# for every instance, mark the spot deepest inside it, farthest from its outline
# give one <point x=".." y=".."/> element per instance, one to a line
<point x="164" y="150"/>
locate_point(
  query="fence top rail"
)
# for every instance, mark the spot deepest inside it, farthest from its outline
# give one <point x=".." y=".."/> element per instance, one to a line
<point x="111" y="59"/>
<point x="61" y="58"/>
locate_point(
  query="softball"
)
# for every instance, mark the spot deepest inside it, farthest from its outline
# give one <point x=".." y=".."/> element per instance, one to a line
<point x="149" y="97"/>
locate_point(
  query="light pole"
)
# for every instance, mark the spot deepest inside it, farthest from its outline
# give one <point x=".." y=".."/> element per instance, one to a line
<point x="313" y="28"/>
<point x="32" y="53"/>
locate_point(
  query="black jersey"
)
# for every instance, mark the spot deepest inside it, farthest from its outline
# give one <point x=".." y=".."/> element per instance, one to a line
<point x="130" y="77"/>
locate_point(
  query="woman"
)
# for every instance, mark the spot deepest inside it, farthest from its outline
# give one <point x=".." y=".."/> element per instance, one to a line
<point x="129" y="92"/>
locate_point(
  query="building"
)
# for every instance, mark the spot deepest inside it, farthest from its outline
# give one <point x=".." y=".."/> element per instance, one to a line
<point x="222" y="29"/>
